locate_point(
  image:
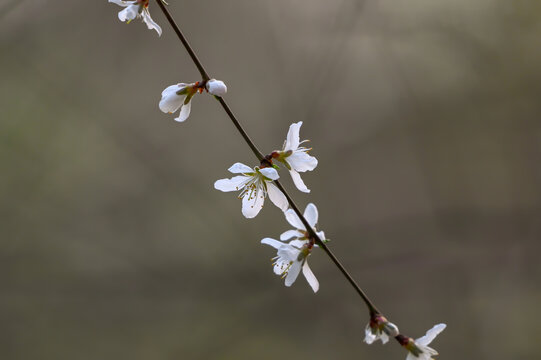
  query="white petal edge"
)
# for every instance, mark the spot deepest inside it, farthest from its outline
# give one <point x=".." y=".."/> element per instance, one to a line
<point x="294" y="220"/>
<point x="151" y="24"/>
<point x="270" y="173"/>
<point x="369" y="337"/>
<point x="293" y="139"/>
<point x="290" y="234"/>
<point x="129" y="13"/>
<point x="293" y="273"/>
<point x="298" y="243"/>
<point x="233" y="184"/>
<point x="240" y="168"/>
<point x="431" y="335"/>
<point x="302" y="161"/>
<point x="172" y="90"/>
<point x="184" y="112"/>
<point x="298" y="181"/>
<point x="272" y="242"/>
<point x="311" y="214"/>
<point x="277" y="197"/>
<point x="122" y="3"/>
<point x="170" y="104"/>
<point x="310" y="277"/>
<point x="412" y="357"/>
<point x="250" y="208"/>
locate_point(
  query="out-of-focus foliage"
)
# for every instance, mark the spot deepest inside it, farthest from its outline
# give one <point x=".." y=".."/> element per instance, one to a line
<point x="424" y="116"/>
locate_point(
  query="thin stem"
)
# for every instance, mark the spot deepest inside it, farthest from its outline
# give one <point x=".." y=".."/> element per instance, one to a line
<point x="185" y="42"/>
<point x="239" y="127"/>
<point x="371" y="307"/>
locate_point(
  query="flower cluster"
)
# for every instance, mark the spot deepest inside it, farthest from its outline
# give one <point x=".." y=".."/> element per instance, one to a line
<point x="379" y="328"/>
<point x="254" y="184"/>
<point x="295" y="247"/>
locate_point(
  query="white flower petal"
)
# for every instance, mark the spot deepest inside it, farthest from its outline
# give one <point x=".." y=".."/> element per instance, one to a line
<point x="369" y="337"/>
<point x="294" y="220"/>
<point x="301" y="161"/>
<point x="270" y="173"/>
<point x="129" y="13"/>
<point x="288" y="252"/>
<point x="170" y="101"/>
<point x="384" y="338"/>
<point x="233" y="184"/>
<point x="321" y="235"/>
<point x="151" y="24"/>
<point x="173" y="89"/>
<point x="311" y="214"/>
<point x="252" y="206"/>
<point x="290" y="234"/>
<point x="310" y="277"/>
<point x="184" y="112"/>
<point x="429" y="351"/>
<point x="277" y="197"/>
<point x="292" y="273"/>
<point x="122" y="3"/>
<point x="298" y="243"/>
<point x="413" y="357"/>
<point x="216" y="87"/>
<point x="298" y="181"/>
<point x="274" y="243"/>
<point x="240" y="168"/>
<point x="430" y="335"/>
<point x="293" y="140"/>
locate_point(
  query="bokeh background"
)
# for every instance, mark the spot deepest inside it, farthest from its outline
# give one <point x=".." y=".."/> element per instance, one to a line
<point x="425" y="116"/>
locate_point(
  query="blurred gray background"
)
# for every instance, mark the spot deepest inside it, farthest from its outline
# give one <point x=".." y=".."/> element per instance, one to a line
<point x="424" y="116"/>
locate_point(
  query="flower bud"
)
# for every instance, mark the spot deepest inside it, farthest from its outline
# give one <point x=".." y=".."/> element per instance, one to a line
<point x="390" y="329"/>
<point x="216" y="87"/>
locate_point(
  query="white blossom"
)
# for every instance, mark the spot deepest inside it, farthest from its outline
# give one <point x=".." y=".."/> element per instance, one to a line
<point x="418" y="348"/>
<point x="379" y="329"/>
<point x="295" y="247"/>
<point x="290" y="259"/>
<point x="216" y="87"/>
<point x="299" y="232"/>
<point x="178" y="96"/>
<point x="254" y="185"/>
<point x="137" y="9"/>
<point x="295" y="157"/>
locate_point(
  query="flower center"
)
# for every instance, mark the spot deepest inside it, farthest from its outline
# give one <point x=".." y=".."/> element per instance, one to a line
<point x="283" y="264"/>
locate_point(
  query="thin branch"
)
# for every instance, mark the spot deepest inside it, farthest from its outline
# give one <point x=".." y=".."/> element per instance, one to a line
<point x="185" y="42"/>
<point x="371" y="307"/>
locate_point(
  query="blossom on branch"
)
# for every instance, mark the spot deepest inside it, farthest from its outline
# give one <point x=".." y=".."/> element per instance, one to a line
<point x="137" y="9"/>
<point x="418" y="349"/>
<point x="296" y="158"/>
<point x="254" y="185"/>
<point x="379" y="329"/>
<point x="299" y="232"/>
<point x="290" y="259"/>
<point x="178" y="96"/>
<point x="216" y="87"/>
<point x="292" y="256"/>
